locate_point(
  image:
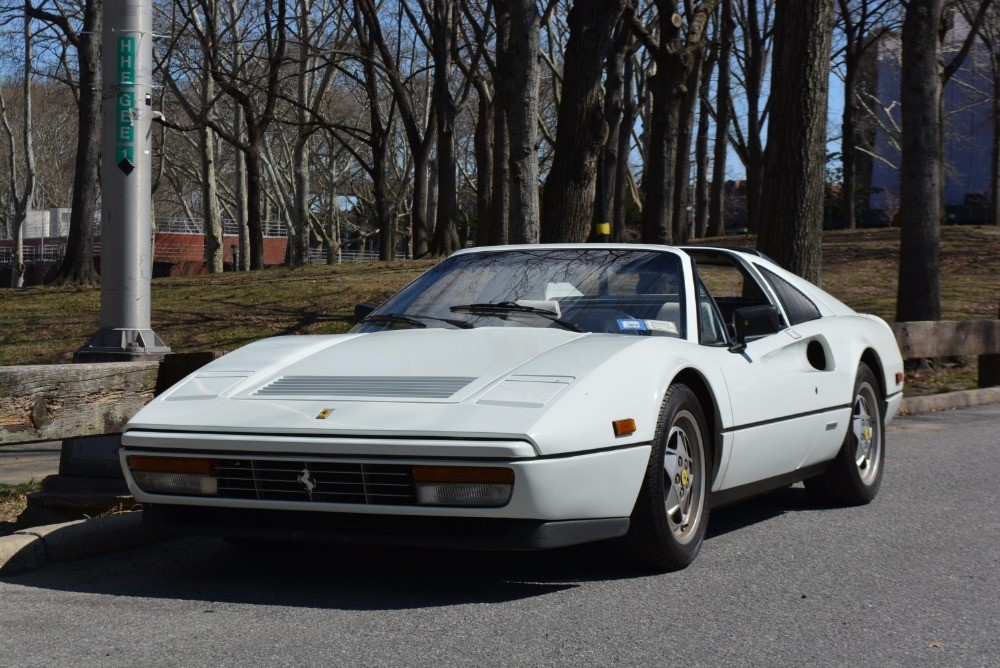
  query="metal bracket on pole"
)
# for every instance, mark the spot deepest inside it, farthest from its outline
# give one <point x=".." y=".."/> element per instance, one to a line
<point x="126" y="200"/>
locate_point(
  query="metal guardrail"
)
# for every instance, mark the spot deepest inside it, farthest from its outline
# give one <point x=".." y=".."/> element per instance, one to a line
<point x="271" y="228"/>
<point x="32" y="253"/>
<point x="318" y="256"/>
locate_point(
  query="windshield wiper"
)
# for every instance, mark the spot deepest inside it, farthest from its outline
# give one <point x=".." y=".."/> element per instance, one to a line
<point x="412" y="320"/>
<point x="496" y="308"/>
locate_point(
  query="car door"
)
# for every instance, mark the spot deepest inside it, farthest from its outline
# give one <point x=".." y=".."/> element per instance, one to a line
<point x="775" y="397"/>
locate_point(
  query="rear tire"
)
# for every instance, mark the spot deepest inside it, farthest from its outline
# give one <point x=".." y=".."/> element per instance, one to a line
<point x="853" y="478"/>
<point x="668" y="522"/>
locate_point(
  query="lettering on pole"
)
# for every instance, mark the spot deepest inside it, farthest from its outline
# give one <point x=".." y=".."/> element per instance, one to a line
<point x="126" y="111"/>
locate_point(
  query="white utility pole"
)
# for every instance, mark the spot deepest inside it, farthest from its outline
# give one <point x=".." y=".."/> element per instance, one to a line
<point x="126" y="248"/>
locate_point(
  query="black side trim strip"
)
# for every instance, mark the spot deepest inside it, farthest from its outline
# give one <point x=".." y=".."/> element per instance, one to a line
<point x="890" y="396"/>
<point x="727" y="496"/>
<point x="786" y="417"/>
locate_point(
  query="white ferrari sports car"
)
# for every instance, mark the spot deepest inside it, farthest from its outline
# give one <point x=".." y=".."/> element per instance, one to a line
<point x="531" y="397"/>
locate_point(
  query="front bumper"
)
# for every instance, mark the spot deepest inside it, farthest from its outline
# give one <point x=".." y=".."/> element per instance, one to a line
<point x="368" y="529"/>
<point x="559" y="500"/>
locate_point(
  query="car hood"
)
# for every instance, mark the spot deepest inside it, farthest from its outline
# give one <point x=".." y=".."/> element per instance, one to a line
<point x="487" y="383"/>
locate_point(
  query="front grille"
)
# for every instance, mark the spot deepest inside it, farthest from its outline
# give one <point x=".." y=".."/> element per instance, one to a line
<point x="316" y="481"/>
<point x="400" y="387"/>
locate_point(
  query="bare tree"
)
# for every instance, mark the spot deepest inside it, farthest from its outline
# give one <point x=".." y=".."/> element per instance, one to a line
<point x="21" y="195"/>
<point x="255" y="93"/>
<point x="80" y="27"/>
<point x="568" y="201"/>
<point x="717" y="196"/>
<point x="518" y="76"/>
<point x="615" y="72"/>
<point x="922" y="158"/>
<point x="676" y="52"/>
<point x="701" y="162"/>
<point x="795" y="158"/>
<point x="861" y="22"/>
<point x="989" y="33"/>
<point x="752" y="49"/>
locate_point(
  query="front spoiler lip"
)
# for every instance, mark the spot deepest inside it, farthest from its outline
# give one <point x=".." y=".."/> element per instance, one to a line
<point x="474" y="533"/>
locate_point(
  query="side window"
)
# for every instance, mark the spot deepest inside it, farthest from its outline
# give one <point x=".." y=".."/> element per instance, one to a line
<point x="729" y="285"/>
<point x="797" y="305"/>
<point x="711" y="331"/>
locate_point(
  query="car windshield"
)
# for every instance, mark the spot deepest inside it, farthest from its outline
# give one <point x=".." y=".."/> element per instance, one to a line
<point x="634" y="292"/>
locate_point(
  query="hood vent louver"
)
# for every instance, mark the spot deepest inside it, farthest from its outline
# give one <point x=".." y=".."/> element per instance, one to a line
<point x="393" y="387"/>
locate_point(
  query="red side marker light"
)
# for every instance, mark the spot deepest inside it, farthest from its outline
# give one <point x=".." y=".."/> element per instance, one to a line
<point x="899" y="378"/>
<point x="624" y="427"/>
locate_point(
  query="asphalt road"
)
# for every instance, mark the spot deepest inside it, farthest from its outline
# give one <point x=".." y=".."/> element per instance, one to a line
<point x="911" y="580"/>
<point x="33" y="461"/>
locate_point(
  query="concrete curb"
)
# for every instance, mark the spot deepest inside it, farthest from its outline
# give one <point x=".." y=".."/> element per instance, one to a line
<point x="949" y="400"/>
<point x="31" y="549"/>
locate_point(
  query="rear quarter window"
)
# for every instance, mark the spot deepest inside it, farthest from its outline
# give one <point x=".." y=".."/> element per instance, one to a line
<point x="796" y="304"/>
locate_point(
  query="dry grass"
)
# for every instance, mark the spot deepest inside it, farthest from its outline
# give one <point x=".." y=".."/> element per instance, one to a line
<point x="13" y="500"/>
<point x="191" y="313"/>
<point x="224" y="312"/>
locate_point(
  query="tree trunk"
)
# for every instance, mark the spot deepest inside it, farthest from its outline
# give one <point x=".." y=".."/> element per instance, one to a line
<point x="994" y="216"/>
<point x="212" y="223"/>
<point x="17" y="257"/>
<point x="77" y="267"/>
<point x="756" y="64"/>
<point x="299" y="221"/>
<point x="717" y="196"/>
<point x="682" y="181"/>
<point x="622" y="167"/>
<point x="240" y="175"/>
<point x="920" y="174"/>
<point x="299" y="228"/>
<point x="419" y="238"/>
<point x="792" y="199"/>
<point x="519" y="75"/>
<point x="659" y="180"/>
<point x="484" y="165"/>
<point x="445" y="239"/>
<point x="608" y="158"/>
<point x="254" y="194"/>
<point x="701" y="150"/>
<point x="500" y="204"/>
<point x="568" y="201"/>
<point x="849" y="144"/>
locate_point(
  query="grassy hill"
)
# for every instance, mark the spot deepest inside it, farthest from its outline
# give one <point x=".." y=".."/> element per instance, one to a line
<point x="223" y="312"/>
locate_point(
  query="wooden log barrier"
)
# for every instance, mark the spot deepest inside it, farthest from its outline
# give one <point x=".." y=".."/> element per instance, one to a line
<point x="53" y="402"/>
<point x="954" y="338"/>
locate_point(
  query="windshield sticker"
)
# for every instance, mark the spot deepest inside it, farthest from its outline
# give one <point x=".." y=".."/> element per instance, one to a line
<point x="661" y="326"/>
<point x="631" y="325"/>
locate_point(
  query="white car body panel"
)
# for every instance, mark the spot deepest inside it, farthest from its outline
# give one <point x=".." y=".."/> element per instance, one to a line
<point x="539" y="400"/>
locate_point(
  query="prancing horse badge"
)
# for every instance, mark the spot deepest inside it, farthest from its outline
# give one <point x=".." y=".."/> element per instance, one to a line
<point x="324" y="414"/>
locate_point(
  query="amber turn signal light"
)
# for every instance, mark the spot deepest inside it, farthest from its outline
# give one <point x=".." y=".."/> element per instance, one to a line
<point x="624" y="427"/>
<point x="144" y="463"/>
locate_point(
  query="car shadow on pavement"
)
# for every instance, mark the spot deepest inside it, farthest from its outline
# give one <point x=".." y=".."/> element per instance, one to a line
<point x="362" y="578"/>
<point x="793" y="499"/>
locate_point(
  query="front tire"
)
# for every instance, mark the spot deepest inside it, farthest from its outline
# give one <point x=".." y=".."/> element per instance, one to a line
<point x="855" y="475"/>
<point x="668" y="522"/>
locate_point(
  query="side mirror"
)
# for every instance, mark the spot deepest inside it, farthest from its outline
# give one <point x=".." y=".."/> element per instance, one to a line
<point x="753" y="322"/>
<point x="362" y="311"/>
